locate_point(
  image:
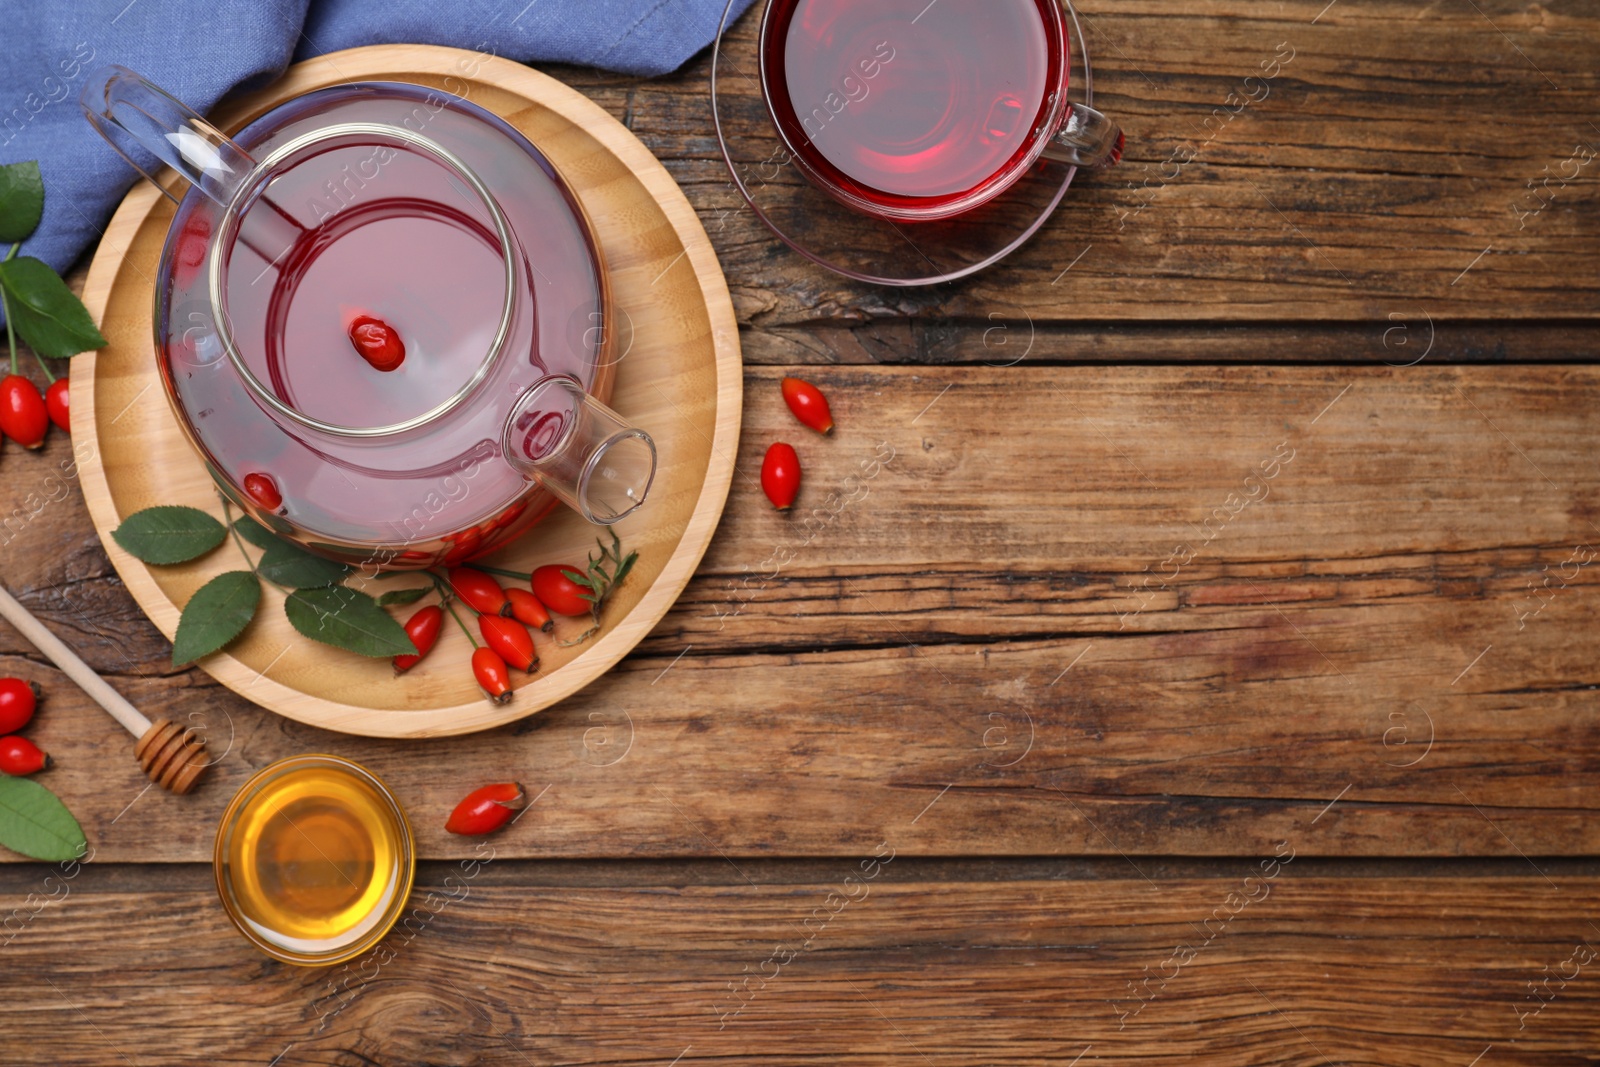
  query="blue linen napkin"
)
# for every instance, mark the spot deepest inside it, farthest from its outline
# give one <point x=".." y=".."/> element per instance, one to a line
<point x="201" y="50"/>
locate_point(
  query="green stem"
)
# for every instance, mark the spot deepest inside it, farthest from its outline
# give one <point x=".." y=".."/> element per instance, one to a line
<point x="38" y="358"/>
<point x="501" y="572"/>
<point x="451" y="608"/>
<point x="227" y="518"/>
<point x="5" y="307"/>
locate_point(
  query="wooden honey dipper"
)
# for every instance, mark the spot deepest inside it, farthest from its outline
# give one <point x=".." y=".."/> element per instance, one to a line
<point x="172" y="756"/>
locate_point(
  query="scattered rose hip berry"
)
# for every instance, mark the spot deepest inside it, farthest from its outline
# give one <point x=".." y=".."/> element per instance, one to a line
<point x="423" y="629"/>
<point x="263" y="490"/>
<point x="19" y="756"/>
<point x="59" y="405"/>
<point x="479" y="591"/>
<point x="378" y="342"/>
<point x="780" y="475"/>
<point x="558" y="592"/>
<point x="486" y="810"/>
<point x="22" y="412"/>
<point x="18" y="699"/>
<point x="492" y="675"/>
<point x="529" y="610"/>
<point x="510" y="640"/>
<point x="808" y="404"/>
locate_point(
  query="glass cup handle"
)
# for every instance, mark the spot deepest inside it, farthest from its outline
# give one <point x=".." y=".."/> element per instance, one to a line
<point x="1086" y="139"/>
<point x="579" y="449"/>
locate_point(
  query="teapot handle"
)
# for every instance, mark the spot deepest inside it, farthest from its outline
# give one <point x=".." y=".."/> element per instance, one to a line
<point x="127" y="109"/>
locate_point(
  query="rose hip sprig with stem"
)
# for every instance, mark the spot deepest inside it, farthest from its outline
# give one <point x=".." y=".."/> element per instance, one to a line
<point x="493" y="676"/>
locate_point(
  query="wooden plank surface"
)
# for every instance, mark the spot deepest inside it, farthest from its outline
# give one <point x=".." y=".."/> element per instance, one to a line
<point x="991" y="659"/>
<point x="999" y="611"/>
<point x="1298" y="968"/>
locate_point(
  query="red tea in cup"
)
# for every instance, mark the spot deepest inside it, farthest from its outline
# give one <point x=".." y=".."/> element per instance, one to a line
<point x="915" y="110"/>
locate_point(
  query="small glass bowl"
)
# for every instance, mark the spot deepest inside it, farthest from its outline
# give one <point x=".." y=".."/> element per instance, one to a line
<point x="314" y="860"/>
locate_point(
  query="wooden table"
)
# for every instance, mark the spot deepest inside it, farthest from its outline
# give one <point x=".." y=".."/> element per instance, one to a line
<point x="1207" y="678"/>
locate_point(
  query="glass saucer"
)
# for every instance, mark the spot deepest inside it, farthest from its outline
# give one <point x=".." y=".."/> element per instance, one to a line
<point x="854" y="244"/>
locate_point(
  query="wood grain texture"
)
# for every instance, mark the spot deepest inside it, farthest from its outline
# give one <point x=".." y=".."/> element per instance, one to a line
<point x="1376" y="596"/>
<point x="678" y="379"/>
<point x="1371" y="175"/>
<point x="1416" y="972"/>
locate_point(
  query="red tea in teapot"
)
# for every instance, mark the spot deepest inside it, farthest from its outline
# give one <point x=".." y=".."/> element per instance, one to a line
<point x="388" y="305"/>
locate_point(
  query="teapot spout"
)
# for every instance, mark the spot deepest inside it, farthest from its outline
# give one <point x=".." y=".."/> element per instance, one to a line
<point x="579" y="449"/>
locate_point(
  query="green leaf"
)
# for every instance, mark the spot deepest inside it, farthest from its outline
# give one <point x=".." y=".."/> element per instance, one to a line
<point x="21" y="200"/>
<point x="348" y="619"/>
<point x="291" y="565"/>
<point x="34" y="822"/>
<point x="47" y="316"/>
<point x="216" y="614"/>
<point x="402" y="597"/>
<point x="254" y="532"/>
<point x="169" y="534"/>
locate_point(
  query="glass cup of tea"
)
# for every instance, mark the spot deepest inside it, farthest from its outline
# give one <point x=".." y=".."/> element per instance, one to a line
<point x="914" y="110"/>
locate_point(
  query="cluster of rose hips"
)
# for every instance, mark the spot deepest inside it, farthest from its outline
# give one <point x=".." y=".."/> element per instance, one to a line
<point x="507" y="618"/>
<point x="18" y="755"/>
<point x="780" y="470"/>
<point x="25" y="414"/>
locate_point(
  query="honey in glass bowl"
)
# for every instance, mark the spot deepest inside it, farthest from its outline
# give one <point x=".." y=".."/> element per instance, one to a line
<point x="314" y="860"/>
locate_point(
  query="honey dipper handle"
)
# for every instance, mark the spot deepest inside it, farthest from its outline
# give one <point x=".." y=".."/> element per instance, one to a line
<point x="73" y="667"/>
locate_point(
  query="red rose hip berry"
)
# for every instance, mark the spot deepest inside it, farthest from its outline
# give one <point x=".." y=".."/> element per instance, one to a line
<point x="18" y="699"/>
<point x="22" y="412"/>
<point x="528" y="610"/>
<point x="485" y="810"/>
<point x="423" y="629"/>
<point x="378" y="342"/>
<point x="780" y="475"/>
<point x="492" y="675"/>
<point x="510" y="640"/>
<point x="58" y="404"/>
<point x="479" y="591"/>
<point x="19" y="756"/>
<point x="558" y="592"/>
<point x="808" y="404"/>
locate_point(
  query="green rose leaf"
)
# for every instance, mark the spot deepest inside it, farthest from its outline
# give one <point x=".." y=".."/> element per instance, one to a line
<point x="255" y="533"/>
<point x="291" y="565"/>
<point x="285" y="563"/>
<point x="402" y="597"/>
<point x="34" y="822"/>
<point x="169" y="534"/>
<point x="21" y="200"/>
<point x="347" y="619"/>
<point x="216" y="614"/>
<point x="47" y="316"/>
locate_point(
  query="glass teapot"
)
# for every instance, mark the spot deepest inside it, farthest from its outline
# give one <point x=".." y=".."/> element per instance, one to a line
<point x="383" y="321"/>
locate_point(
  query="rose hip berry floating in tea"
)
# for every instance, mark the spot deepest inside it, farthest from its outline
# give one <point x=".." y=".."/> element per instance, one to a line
<point x="19" y="756"/>
<point x="808" y="404"/>
<point x="18" y="699"/>
<point x="263" y="490"/>
<point x="22" y="412"/>
<point x="487" y="809"/>
<point x="58" y="404"/>
<point x="378" y="342"/>
<point x="780" y="475"/>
